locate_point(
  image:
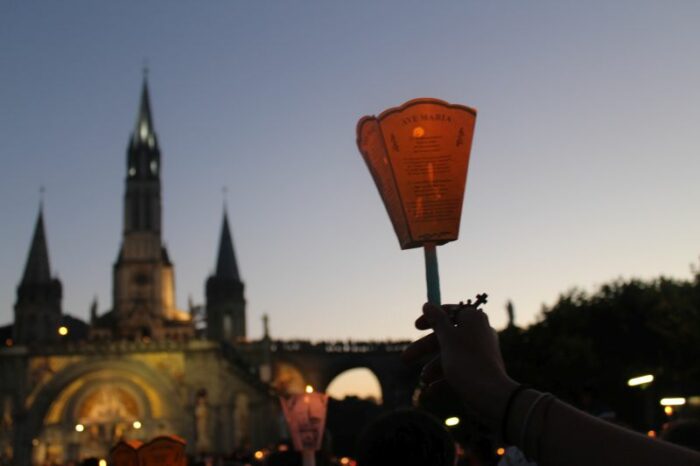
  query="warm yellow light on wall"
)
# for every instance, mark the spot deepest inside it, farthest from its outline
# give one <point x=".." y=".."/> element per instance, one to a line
<point x="309" y="389"/>
<point x="259" y="455"/>
<point x="501" y="451"/>
<point x="63" y="330"/>
<point x="136" y="424"/>
<point x="79" y="427"/>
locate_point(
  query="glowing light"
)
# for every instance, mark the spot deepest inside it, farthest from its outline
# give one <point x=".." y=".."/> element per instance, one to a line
<point x="451" y="421"/>
<point x="79" y="427"/>
<point x="259" y="455"/>
<point x="418" y="132"/>
<point x="102" y="462"/>
<point x="501" y="451"/>
<point x="651" y="433"/>
<point x="154" y="166"/>
<point x="668" y="410"/>
<point x="679" y="401"/>
<point x="309" y="389"/>
<point x="344" y="460"/>
<point x="136" y="424"/>
<point x="144" y="131"/>
<point x="132" y="171"/>
<point x="641" y="380"/>
<point x="282" y="447"/>
<point x="63" y="330"/>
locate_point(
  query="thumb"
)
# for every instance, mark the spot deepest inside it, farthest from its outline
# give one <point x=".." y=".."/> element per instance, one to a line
<point x="436" y="317"/>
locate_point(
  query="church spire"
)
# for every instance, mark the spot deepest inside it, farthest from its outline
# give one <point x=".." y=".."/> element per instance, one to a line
<point x="37" y="269"/>
<point x="226" y="266"/>
<point x="38" y="305"/>
<point x="225" y="310"/>
<point x="144" y="133"/>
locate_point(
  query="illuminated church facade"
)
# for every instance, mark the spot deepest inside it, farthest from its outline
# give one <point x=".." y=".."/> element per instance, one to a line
<point x="70" y="389"/>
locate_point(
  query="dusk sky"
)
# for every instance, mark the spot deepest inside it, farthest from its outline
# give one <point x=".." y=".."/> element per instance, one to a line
<point x="584" y="164"/>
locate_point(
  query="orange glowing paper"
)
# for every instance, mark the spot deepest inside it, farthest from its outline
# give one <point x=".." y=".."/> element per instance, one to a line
<point x="166" y="450"/>
<point x="418" y="155"/>
<point x="306" y="418"/>
<point x="125" y="453"/>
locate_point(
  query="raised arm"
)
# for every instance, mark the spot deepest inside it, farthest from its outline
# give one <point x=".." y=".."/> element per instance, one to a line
<point x="468" y="359"/>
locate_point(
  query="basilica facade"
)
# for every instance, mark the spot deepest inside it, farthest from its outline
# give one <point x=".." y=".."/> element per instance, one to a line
<point x="71" y="389"/>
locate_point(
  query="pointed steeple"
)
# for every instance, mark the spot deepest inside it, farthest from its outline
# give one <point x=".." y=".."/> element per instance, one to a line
<point x="38" y="305"/>
<point x="225" y="308"/>
<point x="144" y="132"/>
<point x="226" y="266"/>
<point x="37" y="269"/>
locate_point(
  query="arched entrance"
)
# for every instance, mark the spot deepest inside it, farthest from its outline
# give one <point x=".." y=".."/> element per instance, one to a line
<point x="85" y="409"/>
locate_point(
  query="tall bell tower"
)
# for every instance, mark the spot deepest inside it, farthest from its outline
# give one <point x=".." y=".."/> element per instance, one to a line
<point x="144" y="284"/>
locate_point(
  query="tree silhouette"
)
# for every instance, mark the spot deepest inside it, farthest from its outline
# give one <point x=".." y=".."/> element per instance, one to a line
<point x="586" y="346"/>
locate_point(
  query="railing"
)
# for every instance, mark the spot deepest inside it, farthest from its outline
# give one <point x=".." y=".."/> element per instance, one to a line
<point x="349" y="346"/>
<point x="118" y="346"/>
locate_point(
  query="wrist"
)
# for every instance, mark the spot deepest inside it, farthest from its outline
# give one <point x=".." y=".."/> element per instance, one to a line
<point x="493" y="407"/>
<point x="515" y="418"/>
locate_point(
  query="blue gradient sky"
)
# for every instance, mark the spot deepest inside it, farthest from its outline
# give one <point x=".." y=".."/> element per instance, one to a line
<point x="584" y="165"/>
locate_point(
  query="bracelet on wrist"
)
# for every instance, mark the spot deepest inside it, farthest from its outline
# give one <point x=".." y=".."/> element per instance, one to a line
<point x="509" y="405"/>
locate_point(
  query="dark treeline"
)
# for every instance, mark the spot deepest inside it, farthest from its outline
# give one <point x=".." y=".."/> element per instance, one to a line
<point x="587" y="345"/>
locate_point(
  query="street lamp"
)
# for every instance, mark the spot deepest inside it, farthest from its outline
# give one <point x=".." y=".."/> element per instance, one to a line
<point x="677" y="401"/>
<point x="451" y="421"/>
<point x="643" y="382"/>
<point x="640" y="380"/>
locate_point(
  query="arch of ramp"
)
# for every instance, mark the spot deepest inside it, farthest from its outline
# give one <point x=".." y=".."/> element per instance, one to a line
<point x="348" y="363"/>
<point x="362" y="375"/>
<point x="319" y="369"/>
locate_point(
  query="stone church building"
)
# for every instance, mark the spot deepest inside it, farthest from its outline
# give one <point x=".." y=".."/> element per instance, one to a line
<point x="70" y="389"/>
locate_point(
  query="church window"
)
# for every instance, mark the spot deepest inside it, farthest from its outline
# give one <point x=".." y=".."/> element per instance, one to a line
<point x="154" y="167"/>
<point x="132" y="171"/>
